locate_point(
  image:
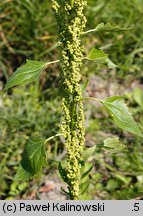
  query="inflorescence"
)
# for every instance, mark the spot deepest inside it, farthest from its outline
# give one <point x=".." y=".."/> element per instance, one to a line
<point x="71" y="21"/>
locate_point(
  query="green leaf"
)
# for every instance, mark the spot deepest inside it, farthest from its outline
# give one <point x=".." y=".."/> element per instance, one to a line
<point x="63" y="173"/>
<point x="64" y="191"/>
<point x="126" y="180"/>
<point x="138" y="96"/>
<point x="112" y="185"/>
<point x="84" y="186"/>
<point x="88" y="152"/>
<point x="110" y="63"/>
<point x="23" y="175"/>
<point x="26" y="73"/>
<point x="107" y="28"/>
<point x="84" y="85"/>
<point x="113" y="145"/>
<point x="87" y="170"/>
<point x="33" y="159"/>
<point x="121" y="115"/>
<point x="98" y="56"/>
<point x="35" y="153"/>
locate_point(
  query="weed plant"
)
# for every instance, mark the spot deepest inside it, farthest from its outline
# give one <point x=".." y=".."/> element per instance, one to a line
<point x="114" y="181"/>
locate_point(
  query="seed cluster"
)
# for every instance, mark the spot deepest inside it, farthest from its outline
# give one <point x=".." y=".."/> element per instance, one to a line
<point x="71" y="22"/>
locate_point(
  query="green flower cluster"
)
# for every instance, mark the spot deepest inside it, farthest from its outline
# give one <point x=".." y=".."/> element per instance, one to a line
<point x="71" y="22"/>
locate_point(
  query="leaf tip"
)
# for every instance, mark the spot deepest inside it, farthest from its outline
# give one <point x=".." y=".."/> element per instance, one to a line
<point x="6" y="87"/>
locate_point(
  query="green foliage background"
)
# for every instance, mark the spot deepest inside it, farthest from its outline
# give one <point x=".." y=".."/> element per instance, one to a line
<point x="28" y="31"/>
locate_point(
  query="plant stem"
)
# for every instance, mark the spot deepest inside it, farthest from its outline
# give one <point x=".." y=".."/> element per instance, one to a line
<point x="89" y="31"/>
<point x="52" y="62"/>
<point x="91" y="98"/>
<point x="52" y="137"/>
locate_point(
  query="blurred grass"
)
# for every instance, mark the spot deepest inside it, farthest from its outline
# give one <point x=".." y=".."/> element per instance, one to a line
<point x="28" y="30"/>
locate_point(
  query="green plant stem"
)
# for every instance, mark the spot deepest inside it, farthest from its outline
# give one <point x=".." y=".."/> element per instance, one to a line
<point x="52" y="62"/>
<point x="91" y="98"/>
<point x="89" y="31"/>
<point x="52" y="137"/>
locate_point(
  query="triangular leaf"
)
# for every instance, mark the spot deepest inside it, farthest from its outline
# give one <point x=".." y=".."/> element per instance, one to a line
<point x="35" y="152"/>
<point x="33" y="159"/>
<point x="88" y="152"/>
<point x="26" y="73"/>
<point x="98" y="56"/>
<point x="113" y="145"/>
<point x="121" y="115"/>
<point x="107" y="28"/>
